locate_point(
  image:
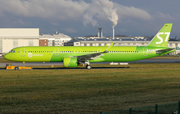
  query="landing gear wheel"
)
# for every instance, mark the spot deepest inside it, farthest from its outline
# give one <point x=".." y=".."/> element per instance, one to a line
<point x="88" y="66"/>
<point x="16" y="68"/>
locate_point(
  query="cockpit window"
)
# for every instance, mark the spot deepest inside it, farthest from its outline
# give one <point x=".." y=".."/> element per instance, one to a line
<point x="12" y="51"/>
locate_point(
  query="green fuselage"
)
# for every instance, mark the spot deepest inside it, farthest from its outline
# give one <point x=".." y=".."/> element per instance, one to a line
<point x="56" y="54"/>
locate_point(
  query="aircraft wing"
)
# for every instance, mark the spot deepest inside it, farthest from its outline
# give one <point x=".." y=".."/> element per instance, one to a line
<point x="93" y="55"/>
<point x="163" y="50"/>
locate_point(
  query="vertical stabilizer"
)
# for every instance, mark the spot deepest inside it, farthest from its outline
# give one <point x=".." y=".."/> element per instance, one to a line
<point x="162" y="37"/>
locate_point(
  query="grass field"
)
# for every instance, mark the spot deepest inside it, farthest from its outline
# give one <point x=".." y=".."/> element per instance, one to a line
<point x="89" y="91"/>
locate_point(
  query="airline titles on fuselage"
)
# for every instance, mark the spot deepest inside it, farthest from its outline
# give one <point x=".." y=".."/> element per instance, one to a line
<point x="31" y="55"/>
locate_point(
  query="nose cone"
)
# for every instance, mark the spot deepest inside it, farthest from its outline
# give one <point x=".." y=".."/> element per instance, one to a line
<point x="6" y="56"/>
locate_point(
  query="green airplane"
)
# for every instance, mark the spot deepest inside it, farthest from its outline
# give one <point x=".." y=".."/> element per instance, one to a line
<point x="73" y="56"/>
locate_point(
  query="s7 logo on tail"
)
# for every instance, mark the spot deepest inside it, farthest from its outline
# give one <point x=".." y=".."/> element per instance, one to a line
<point x="161" y="39"/>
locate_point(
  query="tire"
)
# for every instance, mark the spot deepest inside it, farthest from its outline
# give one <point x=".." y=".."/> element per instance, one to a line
<point x="88" y="67"/>
<point x="16" y="68"/>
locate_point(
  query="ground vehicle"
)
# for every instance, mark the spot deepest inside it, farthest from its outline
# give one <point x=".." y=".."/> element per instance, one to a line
<point x="14" y="67"/>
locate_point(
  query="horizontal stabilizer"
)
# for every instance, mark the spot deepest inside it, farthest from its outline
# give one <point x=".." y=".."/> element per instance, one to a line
<point x="163" y="50"/>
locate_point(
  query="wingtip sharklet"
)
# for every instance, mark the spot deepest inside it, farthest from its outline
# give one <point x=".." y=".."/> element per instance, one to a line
<point x="109" y="47"/>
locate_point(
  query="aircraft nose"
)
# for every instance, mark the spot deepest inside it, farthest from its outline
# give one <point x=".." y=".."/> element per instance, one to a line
<point x="6" y="56"/>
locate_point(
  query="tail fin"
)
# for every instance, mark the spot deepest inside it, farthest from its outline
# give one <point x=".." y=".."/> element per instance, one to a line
<point x="162" y="37"/>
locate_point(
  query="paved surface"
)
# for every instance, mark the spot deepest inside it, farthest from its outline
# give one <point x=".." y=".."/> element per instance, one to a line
<point x="61" y="63"/>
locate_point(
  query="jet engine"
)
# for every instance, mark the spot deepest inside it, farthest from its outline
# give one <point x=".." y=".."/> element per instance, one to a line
<point x="70" y="62"/>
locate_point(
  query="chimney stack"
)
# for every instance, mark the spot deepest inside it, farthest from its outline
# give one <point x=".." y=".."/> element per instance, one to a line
<point x="100" y="34"/>
<point x="113" y="32"/>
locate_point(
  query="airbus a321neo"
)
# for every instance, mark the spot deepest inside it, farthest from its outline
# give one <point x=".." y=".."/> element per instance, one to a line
<point x="72" y="56"/>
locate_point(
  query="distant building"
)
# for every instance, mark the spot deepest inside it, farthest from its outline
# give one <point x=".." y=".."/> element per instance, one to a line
<point x="118" y="41"/>
<point x="16" y="37"/>
<point x="43" y="42"/>
<point x="57" y="39"/>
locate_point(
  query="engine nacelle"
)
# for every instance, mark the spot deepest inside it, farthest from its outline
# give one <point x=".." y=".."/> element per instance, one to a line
<point x="70" y="62"/>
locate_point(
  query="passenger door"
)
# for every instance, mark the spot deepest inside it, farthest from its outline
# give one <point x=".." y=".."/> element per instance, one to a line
<point x="56" y="51"/>
<point x="145" y="52"/>
<point x="22" y="52"/>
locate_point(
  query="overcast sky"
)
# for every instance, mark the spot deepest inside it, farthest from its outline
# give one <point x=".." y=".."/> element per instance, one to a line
<point x="83" y="17"/>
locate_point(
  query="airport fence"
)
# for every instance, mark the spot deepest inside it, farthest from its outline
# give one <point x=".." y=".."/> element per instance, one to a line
<point x="172" y="108"/>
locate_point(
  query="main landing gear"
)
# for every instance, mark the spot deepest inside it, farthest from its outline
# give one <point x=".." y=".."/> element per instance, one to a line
<point x="88" y="66"/>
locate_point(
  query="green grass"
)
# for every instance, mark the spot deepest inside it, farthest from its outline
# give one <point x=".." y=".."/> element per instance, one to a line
<point x="89" y="91"/>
